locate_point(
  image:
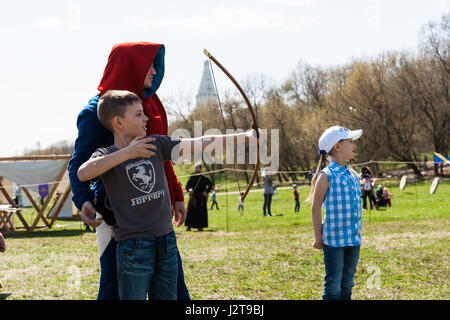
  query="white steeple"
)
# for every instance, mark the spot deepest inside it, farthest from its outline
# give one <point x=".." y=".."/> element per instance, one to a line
<point x="206" y="91"/>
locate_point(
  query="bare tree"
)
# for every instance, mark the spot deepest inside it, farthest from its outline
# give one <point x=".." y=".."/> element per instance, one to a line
<point x="307" y="86"/>
<point x="435" y="39"/>
<point x="426" y="92"/>
<point x="179" y="106"/>
<point x="427" y="80"/>
<point x="255" y="86"/>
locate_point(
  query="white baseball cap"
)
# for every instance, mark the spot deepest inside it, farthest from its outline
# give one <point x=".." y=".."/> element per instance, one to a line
<point x="333" y="135"/>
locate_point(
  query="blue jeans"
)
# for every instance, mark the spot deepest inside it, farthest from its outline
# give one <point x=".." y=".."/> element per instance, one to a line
<point x="148" y="265"/>
<point x="108" y="289"/>
<point x="340" y="267"/>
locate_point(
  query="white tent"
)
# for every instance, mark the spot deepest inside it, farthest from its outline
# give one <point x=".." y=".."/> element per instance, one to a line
<point x="31" y="172"/>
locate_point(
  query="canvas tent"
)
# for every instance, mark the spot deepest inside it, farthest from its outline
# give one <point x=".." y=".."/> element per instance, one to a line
<point x="31" y="174"/>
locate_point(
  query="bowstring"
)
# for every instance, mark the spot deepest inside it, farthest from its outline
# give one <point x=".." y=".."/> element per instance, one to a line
<point x="224" y="124"/>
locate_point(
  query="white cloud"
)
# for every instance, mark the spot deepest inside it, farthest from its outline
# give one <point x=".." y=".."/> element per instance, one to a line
<point x="71" y="21"/>
<point x="226" y="20"/>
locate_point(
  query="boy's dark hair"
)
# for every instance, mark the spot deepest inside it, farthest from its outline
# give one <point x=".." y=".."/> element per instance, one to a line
<point x="114" y="103"/>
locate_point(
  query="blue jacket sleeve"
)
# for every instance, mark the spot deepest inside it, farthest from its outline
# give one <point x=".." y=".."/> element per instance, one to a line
<point x="91" y="135"/>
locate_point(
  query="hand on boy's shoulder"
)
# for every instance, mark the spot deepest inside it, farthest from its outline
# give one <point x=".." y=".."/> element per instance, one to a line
<point x="141" y="147"/>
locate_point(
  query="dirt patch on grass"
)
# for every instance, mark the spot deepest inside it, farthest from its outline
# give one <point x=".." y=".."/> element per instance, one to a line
<point x="404" y="235"/>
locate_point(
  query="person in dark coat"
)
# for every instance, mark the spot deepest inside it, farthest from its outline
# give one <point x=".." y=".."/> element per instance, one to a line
<point x="197" y="211"/>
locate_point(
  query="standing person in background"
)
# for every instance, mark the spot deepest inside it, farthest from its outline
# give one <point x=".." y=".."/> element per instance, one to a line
<point x="368" y="192"/>
<point x="139" y="68"/>
<point x="268" y="192"/>
<point x="241" y="204"/>
<point x="198" y="187"/>
<point x="367" y="189"/>
<point x="296" y="199"/>
<point x="16" y="198"/>
<point x="214" y="201"/>
<point x="337" y="187"/>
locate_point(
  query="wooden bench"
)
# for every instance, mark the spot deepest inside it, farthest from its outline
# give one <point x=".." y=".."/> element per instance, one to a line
<point x="7" y="217"/>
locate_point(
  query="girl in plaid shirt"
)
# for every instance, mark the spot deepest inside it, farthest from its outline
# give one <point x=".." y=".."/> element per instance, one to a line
<point x="337" y="188"/>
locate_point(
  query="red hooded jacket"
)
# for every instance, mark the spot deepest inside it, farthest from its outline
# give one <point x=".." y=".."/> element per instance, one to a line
<point x="127" y="67"/>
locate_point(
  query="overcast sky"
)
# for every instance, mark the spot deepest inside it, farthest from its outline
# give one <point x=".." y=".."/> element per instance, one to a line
<point x="53" y="52"/>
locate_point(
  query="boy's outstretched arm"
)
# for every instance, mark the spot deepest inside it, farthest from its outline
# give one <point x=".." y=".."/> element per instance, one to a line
<point x="200" y="143"/>
<point x="94" y="167"/>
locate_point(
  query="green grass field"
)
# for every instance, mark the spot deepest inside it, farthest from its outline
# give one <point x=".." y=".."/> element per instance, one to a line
<point x="404" y="254"/>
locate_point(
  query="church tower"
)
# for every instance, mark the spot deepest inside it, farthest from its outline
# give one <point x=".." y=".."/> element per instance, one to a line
<point x="206" y="91"/>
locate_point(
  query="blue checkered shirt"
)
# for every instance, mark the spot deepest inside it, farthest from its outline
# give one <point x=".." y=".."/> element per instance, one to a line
<point x="343" y="215"/>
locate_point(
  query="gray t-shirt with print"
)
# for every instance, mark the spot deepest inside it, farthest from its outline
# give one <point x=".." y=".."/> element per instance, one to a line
<point x="138" y="192"/>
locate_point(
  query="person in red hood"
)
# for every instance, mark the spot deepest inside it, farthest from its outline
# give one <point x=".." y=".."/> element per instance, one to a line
<point x="128" y="68"/>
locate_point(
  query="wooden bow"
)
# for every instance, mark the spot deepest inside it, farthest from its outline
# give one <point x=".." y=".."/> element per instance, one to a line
<point x="254" y="124"/>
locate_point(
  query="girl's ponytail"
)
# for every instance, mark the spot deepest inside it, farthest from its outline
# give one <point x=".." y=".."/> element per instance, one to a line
<point x="323" y="162"/>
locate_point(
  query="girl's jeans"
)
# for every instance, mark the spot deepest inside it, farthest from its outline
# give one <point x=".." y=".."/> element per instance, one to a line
<point x="340" y="267"/>
<point x="148" y="265"/>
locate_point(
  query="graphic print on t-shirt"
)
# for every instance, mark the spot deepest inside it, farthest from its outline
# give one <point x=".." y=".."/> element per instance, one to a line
<point x="141" y="175"/>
